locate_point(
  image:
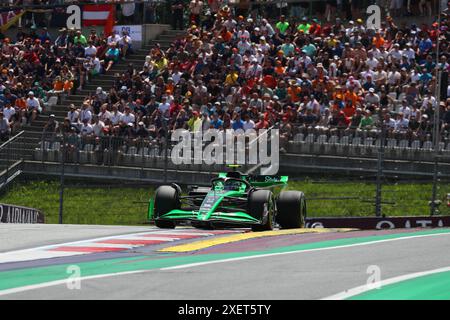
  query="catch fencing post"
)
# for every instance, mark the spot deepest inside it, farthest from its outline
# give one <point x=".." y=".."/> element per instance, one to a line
<point x="437" y="121"/>
<point x="380" y="159"/>
<point x="166" y="145"/>
<point x="61" y="190"/>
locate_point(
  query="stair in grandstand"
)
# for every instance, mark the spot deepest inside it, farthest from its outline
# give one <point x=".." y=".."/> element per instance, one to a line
<point x="33" y="134"/>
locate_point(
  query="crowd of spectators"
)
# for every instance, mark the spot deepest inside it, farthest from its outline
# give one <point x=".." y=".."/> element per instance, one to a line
<point x="232" y="71"/>
<point x="34" y="67"/>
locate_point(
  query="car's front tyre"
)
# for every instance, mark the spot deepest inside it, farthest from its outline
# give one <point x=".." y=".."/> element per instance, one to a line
<point x="261" y="205"/>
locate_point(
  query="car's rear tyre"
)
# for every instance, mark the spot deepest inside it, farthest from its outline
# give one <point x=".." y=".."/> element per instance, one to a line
<point x="291" y="210"/>
<point x="261" y="206"/>
<point x="167" y="198"/>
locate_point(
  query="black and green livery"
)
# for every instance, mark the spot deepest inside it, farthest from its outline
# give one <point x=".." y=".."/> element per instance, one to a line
<point x="232" y="200"/>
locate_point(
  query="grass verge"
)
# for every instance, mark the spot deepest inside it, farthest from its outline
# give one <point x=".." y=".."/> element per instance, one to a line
<point x="128" y="205"/>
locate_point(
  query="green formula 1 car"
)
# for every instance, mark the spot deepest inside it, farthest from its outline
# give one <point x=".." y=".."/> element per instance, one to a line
<point x="233" y="200"/>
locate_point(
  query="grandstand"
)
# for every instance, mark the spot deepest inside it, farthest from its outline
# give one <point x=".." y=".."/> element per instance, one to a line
<point x="331" y="88"/>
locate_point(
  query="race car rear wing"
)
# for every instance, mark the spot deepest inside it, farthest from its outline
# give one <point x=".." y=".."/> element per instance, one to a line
<point x="258" y="181"/>
<point x="267" y="181"/>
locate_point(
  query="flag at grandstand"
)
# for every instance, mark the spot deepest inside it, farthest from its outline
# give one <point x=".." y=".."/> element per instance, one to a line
<point x="99" y="15"/>
<point x="8" y="18"/>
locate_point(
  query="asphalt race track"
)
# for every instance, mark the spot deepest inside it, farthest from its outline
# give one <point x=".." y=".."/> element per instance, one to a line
<point x="236" y="265"/>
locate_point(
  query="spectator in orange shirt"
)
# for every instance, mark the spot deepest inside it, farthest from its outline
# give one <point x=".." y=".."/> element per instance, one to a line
<point x="338" y="94"/>
<point x="279" y="69"/>
<point x="21" y="103"/>
<point x="352" y="96"/>
<point x="170" y="85"/>
<point x="226" y="35"/>
<point x="378" y="41"/>
<point x="58" y="85"/>
<point x="68" y="85"/>
<point x="349" y="109"/>
<point x="294" y="91"/>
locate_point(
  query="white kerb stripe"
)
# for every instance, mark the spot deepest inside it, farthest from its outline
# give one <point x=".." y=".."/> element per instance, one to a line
<point x="361" y="289"/>
<point x="95" y="15"/>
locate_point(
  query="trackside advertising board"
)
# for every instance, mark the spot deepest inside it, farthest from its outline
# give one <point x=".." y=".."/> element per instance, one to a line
<point x="18" y="214"/>
<point x="135" y="32"/>
<point x="373" y="223"/>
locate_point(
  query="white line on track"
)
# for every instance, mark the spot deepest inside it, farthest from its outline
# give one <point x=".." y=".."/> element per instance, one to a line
<point x="59" y="282"/>
<point x="364" y="288"/>
<point x="65" y="281"/>
<point x="105" y="245"/>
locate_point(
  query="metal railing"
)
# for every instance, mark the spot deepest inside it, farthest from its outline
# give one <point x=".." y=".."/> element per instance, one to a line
<point x="11" y="157"/>
<point x="121" y="151"/>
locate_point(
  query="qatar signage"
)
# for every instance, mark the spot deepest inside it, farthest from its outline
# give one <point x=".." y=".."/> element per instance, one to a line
<point x="374" y="223"/>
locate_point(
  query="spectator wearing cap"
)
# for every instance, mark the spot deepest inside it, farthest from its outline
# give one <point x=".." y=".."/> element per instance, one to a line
<point x="33" y="106"/>
<point x="141" y="131"/>
<point x="371" y="97"/>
